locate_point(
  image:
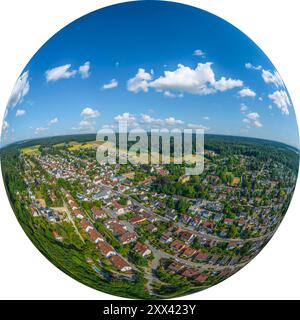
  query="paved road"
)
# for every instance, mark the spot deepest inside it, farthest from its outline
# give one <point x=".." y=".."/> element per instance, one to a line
<point x="73" y="223"/>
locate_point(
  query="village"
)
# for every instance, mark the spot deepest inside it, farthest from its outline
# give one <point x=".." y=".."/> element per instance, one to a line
<point x="138" y="229"/>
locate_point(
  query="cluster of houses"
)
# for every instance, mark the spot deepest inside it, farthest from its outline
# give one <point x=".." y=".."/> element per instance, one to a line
<point x="120" y="231"/>
<point x="105" y="248"/>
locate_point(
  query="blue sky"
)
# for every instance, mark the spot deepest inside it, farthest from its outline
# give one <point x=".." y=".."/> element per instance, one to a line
<point x="156" y="64"/>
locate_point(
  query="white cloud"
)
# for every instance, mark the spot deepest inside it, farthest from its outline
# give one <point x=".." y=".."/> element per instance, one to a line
<point x="20" y="113"/>
<point x="251" y="66"/>
<point x="20" y="90"/>
<point x="172" y="121"/>
<point x="112" y="84"/>
<point x="84" y="70"/>
<point x="127" y="117"/>
<point x="254" y="119"/>
<point x="197" y="126"/>
<point x="253" y="116"/>
<point x="282" y="101"/>
<point x="244" y="108"/>
<point x="274" y="78"/>
<point x="86" y="125"/>
<point x="258" y="124"/>
<point x="206" y="118"/>
<point x="40" y="130"/>
<point x="53" y="121"/>
<point x="200" y="80"/>
<point x="247" y="92"/>
<point x="199" y="53"/>
<point x="139" y="82"/>
<point x="173" y="95"/>
<point x="226" y="84"/>
<point x="150" y="120"/>
<point x="61" y="72"/>
<point x="89" y="113"/>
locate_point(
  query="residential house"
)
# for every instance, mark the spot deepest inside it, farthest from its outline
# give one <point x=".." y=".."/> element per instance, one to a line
<point x="105" y="249"/>
<point x="142" y="249"/>
<point x="120" y="263"/>
<point x="98" y="213"/>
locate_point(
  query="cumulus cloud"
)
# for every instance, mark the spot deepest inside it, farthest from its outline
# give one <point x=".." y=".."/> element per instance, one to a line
<point x="61" y="72"/>
<point x="172" y="121"/>
<point x="253" y="116"/>
<point x="126" y="116"/>
<point x="84" y="70"/>
<point x="226" y="84"/>
<point x="86" y="125"/>
<point x="206" y="118"/>
<point x="53" y="121"/>
<point x="89" y="113"/>
<point x="112" y="84"/>
<point x="200" y="81"/>
<point x="254" y="119"/>
<point x="247" y="92"/>
<point x="197" y="126"/>
<point x="282" y="101"/>
<point x="270" y="77"/>
<point x="145" y="118"/>
<point x="20" y="90"/>
<point x="199" y="53"/>
<point x="20" y="113"/>
<point x="251" y="66"/>
<point x="139" y="82"/>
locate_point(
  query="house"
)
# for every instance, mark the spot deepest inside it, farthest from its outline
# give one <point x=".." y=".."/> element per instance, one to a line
<point x="241" y="222"/>
<point x="95" y="236"/>
<point x="142" y="249"/>
<point x="120" y="263"/>
<point x="78" y="214"/>
<point x="176" y="267"/>
<point x="177" y="245"/>
<point x="166" y="238"/>
<point x="151" y="228"/>
<point x="86" y="225"/>
<point x="186" y="235"/>
<point x="171" y="214"/>
<point x="201" y="278"/>
<point x="98" y="213"/>
<point x="225" y="260"/>
<point x="120" y="209"/>
<point x="57" y="236"/>
<point x="202" y="256"/>
<point x="190" y="273"/>
<point x="189" y="252"/>
<point x="106" y="249"/>
<point x="228" y="221"/>
<point x="137" y="219"/>
<point x="117" y="228"/>
<point x="128" y="237"/>
<point x="232" y="245"/>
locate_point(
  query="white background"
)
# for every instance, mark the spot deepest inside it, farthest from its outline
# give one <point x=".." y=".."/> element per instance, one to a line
<point x="26" y="25"/>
